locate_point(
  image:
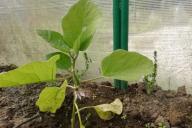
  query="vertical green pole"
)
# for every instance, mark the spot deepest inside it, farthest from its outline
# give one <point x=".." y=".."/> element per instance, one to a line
<point x="116" y="31"/>
<point x="124" y="31"/>
<point x="120" y="30"/>
<point x="124" y="24"/>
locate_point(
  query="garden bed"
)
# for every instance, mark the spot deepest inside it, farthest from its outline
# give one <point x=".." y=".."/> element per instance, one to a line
<point x="170" y="108"/>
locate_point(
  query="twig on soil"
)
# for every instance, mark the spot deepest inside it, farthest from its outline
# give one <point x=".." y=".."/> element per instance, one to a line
<point x="111" y="87"/>
<point x="28" y="120"/>
<point x="90" y="80"/>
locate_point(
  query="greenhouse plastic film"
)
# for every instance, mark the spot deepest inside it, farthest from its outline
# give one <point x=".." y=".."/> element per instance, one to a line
<point x="164" y="26"/>
<point x="161" y="25"/>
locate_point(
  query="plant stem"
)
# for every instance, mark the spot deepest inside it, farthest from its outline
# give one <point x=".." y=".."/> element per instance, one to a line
<point x="73" y="70"/>
<point x="79" y="115"/>
<point x="81" y="109"/>
<point x="75" y="83"/>
<point x="73" y="111"/>
<point x="73" y="117"/>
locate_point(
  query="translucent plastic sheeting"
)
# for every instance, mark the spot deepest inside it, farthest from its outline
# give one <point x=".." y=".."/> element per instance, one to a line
<point x="164" y="26"/>
<point x="19" y="19"/>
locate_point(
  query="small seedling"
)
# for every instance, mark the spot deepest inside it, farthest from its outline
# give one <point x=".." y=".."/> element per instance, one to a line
<point x="150" y="79"/>
<point x="150" y="125"/>
<point x="161" y="125"/>
<point x="124" y="117"/>
<point x="79" y="26"/>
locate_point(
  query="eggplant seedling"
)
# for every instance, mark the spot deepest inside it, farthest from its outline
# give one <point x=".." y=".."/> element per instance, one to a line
<point x="79" y="27"/>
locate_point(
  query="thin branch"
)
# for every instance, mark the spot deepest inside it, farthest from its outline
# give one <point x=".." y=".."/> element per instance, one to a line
<point x="106" y="86"/>
<point x="90" y="80"/>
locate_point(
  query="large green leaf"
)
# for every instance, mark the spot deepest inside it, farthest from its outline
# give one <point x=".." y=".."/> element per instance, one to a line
<point x="64" y="62"/>
<point x="80" y="24"/>
<point x="55" y="39"/>
<point x="51" y="98"/>
<point x="124" y="65"/>
<point x="107" y="111"/>
<point x="30" y="73"/>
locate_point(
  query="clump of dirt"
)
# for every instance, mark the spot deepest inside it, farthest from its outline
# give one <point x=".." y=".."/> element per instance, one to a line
<point x="170" y="108"/>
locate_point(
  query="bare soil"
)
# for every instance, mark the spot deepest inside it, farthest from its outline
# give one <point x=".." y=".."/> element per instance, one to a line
<point x="172" y="109"/>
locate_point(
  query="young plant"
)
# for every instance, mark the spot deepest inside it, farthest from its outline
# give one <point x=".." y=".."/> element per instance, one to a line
<point x="150" y="79"/>
<point x="148" y="125"/>
<point x="79" y="26"/>
<point x="152" y="125"/>
<point x="161" y="125"/>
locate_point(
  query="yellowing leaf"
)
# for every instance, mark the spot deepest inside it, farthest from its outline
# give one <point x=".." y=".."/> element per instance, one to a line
<point x="51" y="98"/>
<point x="107" y="111"/>
<point x="30" y="73"/>
<point x="124" y="65"/>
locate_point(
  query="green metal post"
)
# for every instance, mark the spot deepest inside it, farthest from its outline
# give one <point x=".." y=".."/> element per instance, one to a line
<point x="124" y="31"/>
<point x="120" y="30"/>
<point x="116" y="31"/>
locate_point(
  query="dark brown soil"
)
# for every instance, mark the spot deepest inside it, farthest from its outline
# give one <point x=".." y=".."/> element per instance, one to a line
<point x="172" y="109"/>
